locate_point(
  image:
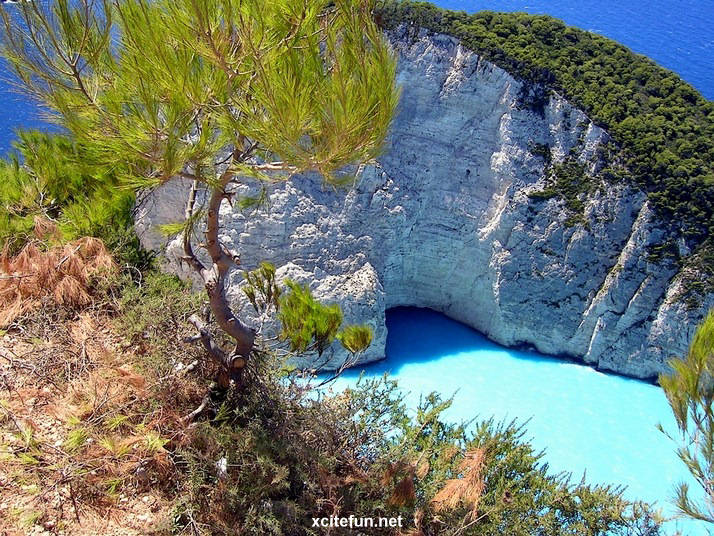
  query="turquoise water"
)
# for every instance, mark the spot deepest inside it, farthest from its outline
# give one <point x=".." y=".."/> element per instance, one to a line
<point x="588" y="423"/>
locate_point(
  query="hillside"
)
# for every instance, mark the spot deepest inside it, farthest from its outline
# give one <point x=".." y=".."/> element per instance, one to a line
<point x="662" y="128"/>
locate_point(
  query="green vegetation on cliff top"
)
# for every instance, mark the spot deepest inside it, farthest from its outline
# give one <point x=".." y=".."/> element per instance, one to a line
<point x="664" y="128"/>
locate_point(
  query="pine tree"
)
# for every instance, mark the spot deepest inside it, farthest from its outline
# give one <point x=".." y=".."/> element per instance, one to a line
<point x="216" y="91"/>
<point x="690" y="392"/>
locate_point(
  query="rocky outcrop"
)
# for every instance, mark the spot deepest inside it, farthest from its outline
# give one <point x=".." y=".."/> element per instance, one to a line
<point x="445" y="221"/>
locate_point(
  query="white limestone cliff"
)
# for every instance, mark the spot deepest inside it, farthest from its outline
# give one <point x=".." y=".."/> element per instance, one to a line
<point x="444" y="221"/>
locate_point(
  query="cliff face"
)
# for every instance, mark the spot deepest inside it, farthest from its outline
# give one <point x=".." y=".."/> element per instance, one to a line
<point x="445" y="221"/>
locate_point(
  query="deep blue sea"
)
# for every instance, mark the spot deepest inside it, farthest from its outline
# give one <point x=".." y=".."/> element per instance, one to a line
<point x="677" y="34"/>
<point x="589" y="422"/>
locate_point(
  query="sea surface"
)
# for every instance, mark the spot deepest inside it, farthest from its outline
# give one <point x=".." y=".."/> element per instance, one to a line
<point x="677" y="34"/>
<point x="588" y="423"/>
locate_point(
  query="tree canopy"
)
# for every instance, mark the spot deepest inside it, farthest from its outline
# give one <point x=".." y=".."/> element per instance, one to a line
<point x="165" y="85"/>
<point x="215" y="91"/>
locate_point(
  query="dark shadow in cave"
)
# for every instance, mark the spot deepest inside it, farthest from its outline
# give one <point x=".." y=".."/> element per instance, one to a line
<point x="423" y="335"/>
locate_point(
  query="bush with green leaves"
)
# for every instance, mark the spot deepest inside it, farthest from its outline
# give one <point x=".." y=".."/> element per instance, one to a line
<point x="289" y="456"/>
<point x="50" y="181"/>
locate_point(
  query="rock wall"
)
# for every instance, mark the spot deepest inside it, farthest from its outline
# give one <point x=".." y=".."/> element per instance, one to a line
<point x="445" y="221"/>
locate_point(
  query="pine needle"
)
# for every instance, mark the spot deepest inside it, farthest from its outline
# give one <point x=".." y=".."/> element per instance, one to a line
<point x="61" y="274"/>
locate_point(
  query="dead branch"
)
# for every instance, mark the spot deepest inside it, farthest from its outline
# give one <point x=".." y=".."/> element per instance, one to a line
<point x="196" y="412"/>
<point x="349" y="361"/>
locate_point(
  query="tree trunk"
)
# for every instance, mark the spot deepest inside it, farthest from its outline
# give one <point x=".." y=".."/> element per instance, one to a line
<point x="214" y="277"/>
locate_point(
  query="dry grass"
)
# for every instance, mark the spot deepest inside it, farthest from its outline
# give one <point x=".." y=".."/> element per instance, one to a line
<point x="86" y="428"/>
<point x="86" y="450"/>
<point x="61" y="275"/>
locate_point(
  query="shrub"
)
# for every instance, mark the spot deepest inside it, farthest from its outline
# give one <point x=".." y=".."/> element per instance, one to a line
<point x="273" y="458"/>
<point x="52" y="178"/>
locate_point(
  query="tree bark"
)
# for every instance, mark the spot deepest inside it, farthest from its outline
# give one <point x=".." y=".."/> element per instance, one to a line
<point x="214" y="278"/>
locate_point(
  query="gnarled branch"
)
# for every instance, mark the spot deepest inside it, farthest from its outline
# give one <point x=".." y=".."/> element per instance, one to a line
<point x="229" y="362"/>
